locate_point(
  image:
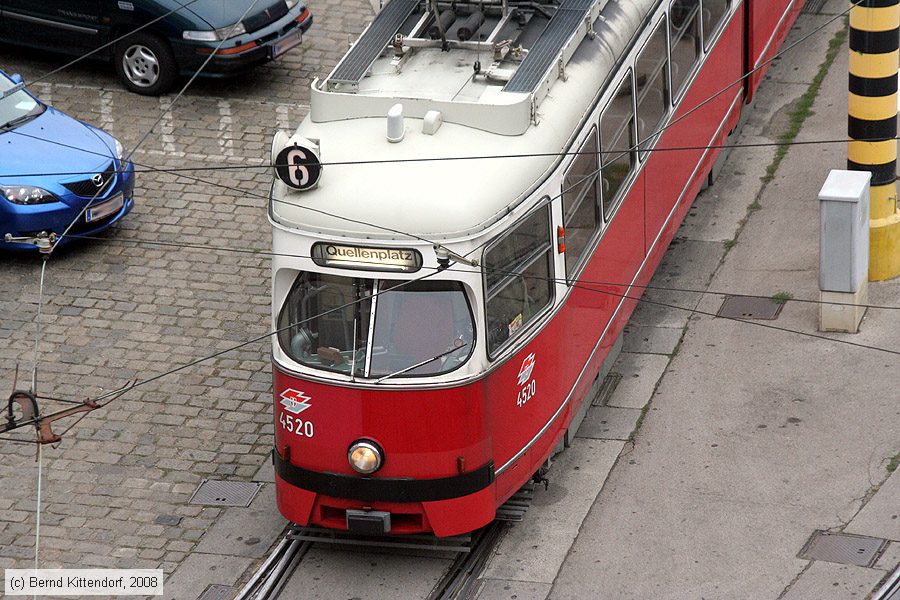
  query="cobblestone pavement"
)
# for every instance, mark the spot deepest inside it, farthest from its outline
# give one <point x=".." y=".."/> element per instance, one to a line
<point x="118" y="308"/>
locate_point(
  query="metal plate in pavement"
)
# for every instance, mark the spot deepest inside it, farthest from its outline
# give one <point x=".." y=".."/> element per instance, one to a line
<point x="218" y="592"/>
<point x="843" y="548"/>
<point x="748" y="307"/>
<point x="225" y="493"/>
<point x="609" y="385"/>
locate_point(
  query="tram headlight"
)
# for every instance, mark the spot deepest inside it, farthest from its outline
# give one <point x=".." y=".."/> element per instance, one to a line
<point x="365" y="457"/>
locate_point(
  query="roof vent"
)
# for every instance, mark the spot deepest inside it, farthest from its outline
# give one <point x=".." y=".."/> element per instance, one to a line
<point x="395" y="127"/>
<point x="432" y="122"/>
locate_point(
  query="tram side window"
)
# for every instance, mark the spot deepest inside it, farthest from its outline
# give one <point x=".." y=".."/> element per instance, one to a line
<point x="518" y="282"/>
<point x="652" y="79"/>
<point x="616" y="143"/>
<point x="713" y="12"/>
<point x="580" y="203"/>
<point x="684" y="37"/>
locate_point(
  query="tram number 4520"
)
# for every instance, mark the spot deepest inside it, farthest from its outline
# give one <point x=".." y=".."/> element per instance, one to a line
<point x="296" y="425"/>
<point x="526" y="393"/>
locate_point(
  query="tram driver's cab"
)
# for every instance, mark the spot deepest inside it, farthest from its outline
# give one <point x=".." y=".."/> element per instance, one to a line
<point x="376" y="328"/>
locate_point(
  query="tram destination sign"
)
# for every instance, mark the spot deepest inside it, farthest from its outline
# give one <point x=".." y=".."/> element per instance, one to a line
<point x="404" y="260"/>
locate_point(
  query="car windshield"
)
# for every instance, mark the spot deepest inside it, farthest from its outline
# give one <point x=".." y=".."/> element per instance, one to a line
<point x="375" y="328"/>
<point x="18" y="107"/>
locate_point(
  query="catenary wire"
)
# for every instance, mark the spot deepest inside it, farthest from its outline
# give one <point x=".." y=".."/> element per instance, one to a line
<point x="560" y="280"/>
<point x="635" y="147"/>
<point x="117" y="393"/>
<point x="26" y="85"/>
<point x="619" y="152"/>
<point x="270" y="165"/>
<point x="157" y="122"/>
<point x="124" y="160"/>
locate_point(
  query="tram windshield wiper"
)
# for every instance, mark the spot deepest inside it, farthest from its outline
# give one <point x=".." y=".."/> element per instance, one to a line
<point x="419" y="364"/>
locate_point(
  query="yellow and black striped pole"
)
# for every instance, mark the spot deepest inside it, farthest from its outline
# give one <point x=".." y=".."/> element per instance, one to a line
<point x="872" y="116"/>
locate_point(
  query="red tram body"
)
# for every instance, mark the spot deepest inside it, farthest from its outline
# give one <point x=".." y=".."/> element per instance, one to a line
<point x="457" y="384"/>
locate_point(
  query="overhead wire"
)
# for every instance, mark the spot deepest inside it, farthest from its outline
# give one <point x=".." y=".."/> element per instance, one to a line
<point x="561" y="280"/>
<point x="635" y="147"/>
<point x="146" y="135"/>
<point x="392" y="161"/>
<point x="52" y="248"/>
<point x="26" y="84"/>
<point x="119" y="392"/>
<point x="618" y="152"/>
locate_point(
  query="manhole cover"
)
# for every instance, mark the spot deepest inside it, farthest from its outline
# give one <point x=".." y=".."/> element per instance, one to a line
<point x="225" y="493"/>
<point x="218" y="592"/>
<point x="609" y="385"/>
<point x="843" y="548"/>
<point x="745" y="307"/>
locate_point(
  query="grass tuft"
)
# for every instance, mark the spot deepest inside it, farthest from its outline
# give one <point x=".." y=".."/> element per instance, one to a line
<point x="782" y="297"/>
<point x="803" y="109"/>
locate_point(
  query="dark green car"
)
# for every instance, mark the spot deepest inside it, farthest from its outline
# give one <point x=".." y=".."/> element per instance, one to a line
<point x="180" y="34"/>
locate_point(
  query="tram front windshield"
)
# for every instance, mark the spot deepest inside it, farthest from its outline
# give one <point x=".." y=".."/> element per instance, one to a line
<point x="376" y="328"/>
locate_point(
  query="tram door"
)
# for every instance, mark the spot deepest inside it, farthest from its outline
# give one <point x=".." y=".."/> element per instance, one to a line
<point x="768" y="23"/>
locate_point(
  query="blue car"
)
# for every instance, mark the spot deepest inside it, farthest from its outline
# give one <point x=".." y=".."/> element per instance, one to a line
<point x="53" y="166"/>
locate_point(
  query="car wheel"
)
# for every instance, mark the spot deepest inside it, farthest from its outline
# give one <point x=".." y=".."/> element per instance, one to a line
<point x="145" y="64"/>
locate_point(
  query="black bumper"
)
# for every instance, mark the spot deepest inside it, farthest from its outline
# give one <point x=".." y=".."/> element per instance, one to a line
<point x="370" y="489"/>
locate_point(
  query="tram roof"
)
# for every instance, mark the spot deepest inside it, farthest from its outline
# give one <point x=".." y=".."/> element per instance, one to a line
<point x="523" y="103"/>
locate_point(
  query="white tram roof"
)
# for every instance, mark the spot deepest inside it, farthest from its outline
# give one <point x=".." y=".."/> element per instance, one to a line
<point x="522" y="103"/>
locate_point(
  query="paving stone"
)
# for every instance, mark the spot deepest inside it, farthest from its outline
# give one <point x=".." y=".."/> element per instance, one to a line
<point x="120" y="308"/>
<point x="640" y="374"/>
<point x="609" y="423"/>
<point x="501" y="589"/>
<point x="831" y="581"/>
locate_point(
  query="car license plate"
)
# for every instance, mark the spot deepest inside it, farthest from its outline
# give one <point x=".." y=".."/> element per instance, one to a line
<point x="282" y="46"/>
<point x="111" y="206"/>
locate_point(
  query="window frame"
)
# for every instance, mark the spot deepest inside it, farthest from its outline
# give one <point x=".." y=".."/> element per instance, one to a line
<point x="616" y="200"/>
<point x="678" y="94"/>
<point x="644" y="146"/>
<point x="587" y="250"/>
<point x="708" y="40"/>
<point x="376" y="283"/>
<point x="527" y="327"/>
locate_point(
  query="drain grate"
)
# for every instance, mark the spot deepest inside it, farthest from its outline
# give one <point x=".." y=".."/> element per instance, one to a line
<point x="843" y="548"/>
<point x="813" y="7"/>
<point x="225" y="493"/>
<point x="218" y="592"/>
<point x="609" y="385"/>
<point x="745" y="307"/>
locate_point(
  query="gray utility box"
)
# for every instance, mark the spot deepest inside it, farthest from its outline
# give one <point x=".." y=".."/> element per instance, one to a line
<point x="844" y="231"/>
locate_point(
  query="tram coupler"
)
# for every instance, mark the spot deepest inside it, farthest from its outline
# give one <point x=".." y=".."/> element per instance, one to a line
<point x="368" y="522"/>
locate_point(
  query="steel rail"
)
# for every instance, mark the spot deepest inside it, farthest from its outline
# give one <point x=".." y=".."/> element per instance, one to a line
<point x="463" y="574"/>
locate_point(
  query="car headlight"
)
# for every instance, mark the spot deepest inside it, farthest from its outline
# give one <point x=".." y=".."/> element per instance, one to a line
<point x="365" y="457"/>
<point x="291" y="3"/>
<point x="120" y="150"/>
<point x="216" y="34"/>
<point x="26" y="194"/>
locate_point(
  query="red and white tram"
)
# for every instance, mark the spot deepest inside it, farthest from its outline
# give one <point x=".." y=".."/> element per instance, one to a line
<point x="414" y="398"/>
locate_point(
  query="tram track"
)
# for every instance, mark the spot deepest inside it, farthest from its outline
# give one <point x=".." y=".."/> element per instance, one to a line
<point x="467" y="557"/>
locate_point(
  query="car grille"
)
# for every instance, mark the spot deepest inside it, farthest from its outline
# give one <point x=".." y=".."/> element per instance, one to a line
<point x="263" y="18"/>
<point x="86" y="188"/>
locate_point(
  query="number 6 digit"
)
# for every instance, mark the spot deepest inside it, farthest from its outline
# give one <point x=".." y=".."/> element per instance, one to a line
<point x="298" y="173"/>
